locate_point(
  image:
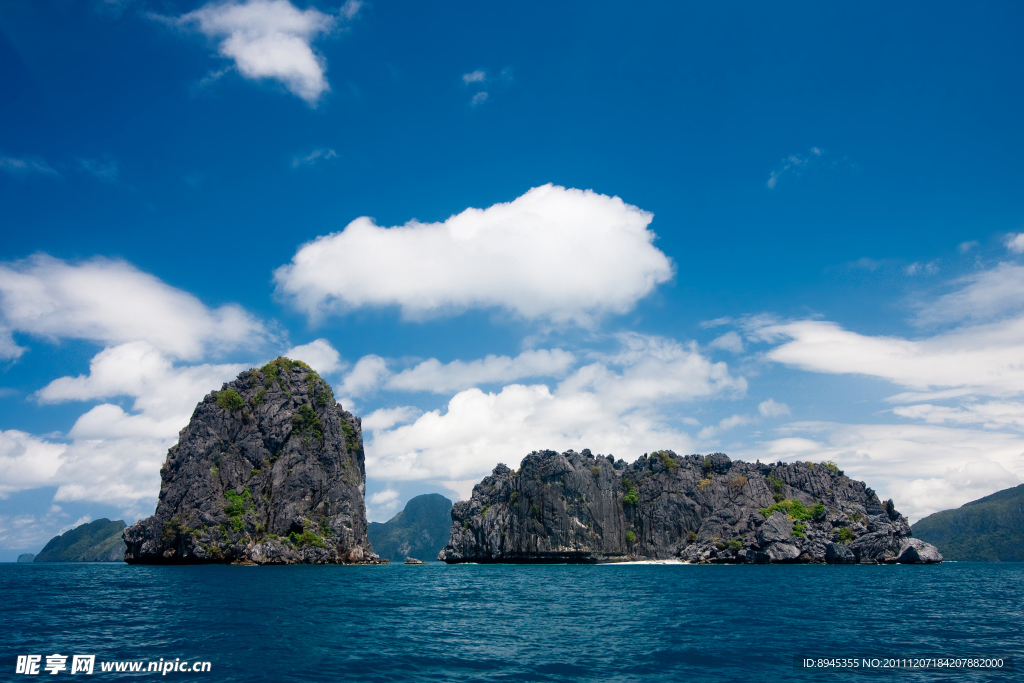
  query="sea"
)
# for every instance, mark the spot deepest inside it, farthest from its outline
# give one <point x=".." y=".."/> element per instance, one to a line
<point x="435" y="622"/>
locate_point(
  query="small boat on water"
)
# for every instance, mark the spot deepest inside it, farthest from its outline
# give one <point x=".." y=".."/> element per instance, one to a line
<point x="413" y="560"/>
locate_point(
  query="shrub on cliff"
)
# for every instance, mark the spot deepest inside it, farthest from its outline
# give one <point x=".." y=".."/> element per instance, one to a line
<point x="229" y="400"/>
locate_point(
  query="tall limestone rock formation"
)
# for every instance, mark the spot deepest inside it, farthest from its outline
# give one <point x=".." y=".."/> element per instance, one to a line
<point x="577" y="507"/>
<point x="269" y="470"/>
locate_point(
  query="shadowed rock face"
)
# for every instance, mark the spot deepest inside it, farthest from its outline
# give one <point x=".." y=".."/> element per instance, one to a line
<point x="269" y="470"/>
<point x="577" y="507"/>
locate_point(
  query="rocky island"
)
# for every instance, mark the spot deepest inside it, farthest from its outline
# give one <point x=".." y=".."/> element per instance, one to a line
<point x="269" y="470"/>
<point x="96" y="541"/>
<point x="420" y="530"/>
<point x="581" y="508"/>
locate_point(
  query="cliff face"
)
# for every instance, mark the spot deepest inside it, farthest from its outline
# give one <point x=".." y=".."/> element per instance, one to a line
<point x="95" y="541"/>
<point x="577" y="507"/>
<point x="269" y="470"/>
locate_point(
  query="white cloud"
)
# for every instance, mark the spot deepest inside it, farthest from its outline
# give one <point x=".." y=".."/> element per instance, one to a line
<point x="270" y="39"/>
<point x="386" y="418"/>
<point x="26" y="166"/>
<point x="478" y="99"/>
<point x="477" y="76"/>
<point x="770" y="408"/>
<point x="965" y="247"/>
<point x="385" y="496"/>
<point x="432" y="376"/>
<point x="730" y="341"/>
<point x="115" y="456"/>
<point x="1015" y="242"/>
<point x="112" y="302"/>
<point x="793" y="164"/>
<point x="314" y="157"/>
<point x="9" y="349"/>
<point x="923" y="468"/>
<point x="982" y="358"/>
<point x="140" y="370"/>
<point x="723" y="425"/>
<point x="991" y="415"/>
<point x="596" y="407"/>
<point x="365" y="378"/>
<point x="319" y="355"/>
<point x="555" y="254"/>
<point x="981" y="297"/>
<point x="27" y="461"/>
<point x="381" y="505"/>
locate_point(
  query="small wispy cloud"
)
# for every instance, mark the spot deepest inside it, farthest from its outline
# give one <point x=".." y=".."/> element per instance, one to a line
<point x="478" y="99"/>
<point x="1015" y="242"/>
<point x="965" y="247"/>
<point x="727" y="423"/>
<point x="350" y="9"/>
<point x="793" y="164"/>
<point x="104" y="171"/>
<point x="26" y="166"/>
<point x="210" y="78"/>
<point x="717" y="322"/>
<point x="772" y="408"/>
<point x="922" y="268"/>
<point x="478" y="76"/>
<point x="314" y="157"/>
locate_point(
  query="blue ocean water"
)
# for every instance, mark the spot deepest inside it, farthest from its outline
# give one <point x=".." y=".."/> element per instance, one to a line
<point x="510" y="623"/>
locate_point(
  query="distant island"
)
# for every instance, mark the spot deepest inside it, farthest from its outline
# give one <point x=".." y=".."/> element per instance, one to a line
<point x="96" y="541"/>
<point x="26" y="557"/>
<point x="269" y="470"/>
<point x="418" y="531"/>
<point x="990" y="529"/>
<point x="583" y="508"/>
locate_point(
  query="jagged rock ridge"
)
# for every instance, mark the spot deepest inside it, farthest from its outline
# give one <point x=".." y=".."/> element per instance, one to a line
<point x="269" y="470"/>
<point x="577" y="507"/>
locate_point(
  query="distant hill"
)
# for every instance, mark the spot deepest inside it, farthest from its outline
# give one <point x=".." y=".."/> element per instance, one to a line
<point x="26" y="557"/>
<point x="420" y="530"/>
<point x="97" y="541"/>
<point x="990" y="529"/>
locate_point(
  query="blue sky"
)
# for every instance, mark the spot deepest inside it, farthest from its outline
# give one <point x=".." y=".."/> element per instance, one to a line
<point x="783" y="232"/>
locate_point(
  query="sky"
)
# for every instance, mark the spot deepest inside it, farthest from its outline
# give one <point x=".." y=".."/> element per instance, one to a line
<point x="783" y="232"/>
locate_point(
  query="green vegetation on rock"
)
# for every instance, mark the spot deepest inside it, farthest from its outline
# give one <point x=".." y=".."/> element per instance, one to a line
<point x="795" y="510"/>
<point x="306" y="423"/>
<point x="667" y="460"/>
<point x="238" y="503"/>
<point x="229" y="400"/>
<point x="306" y="538"/>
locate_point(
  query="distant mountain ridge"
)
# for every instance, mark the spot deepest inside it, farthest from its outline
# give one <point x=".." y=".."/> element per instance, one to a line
<point x="96" y="541"/>
<point x="420" y="530"/>
<point x="990" y="529"/>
